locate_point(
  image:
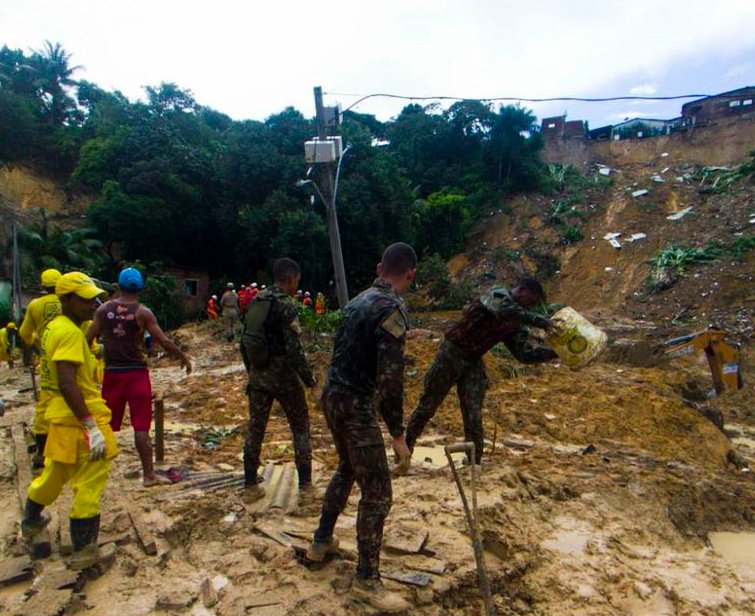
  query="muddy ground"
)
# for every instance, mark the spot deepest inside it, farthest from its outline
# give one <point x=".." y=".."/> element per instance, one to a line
<point x="598" y="494"/>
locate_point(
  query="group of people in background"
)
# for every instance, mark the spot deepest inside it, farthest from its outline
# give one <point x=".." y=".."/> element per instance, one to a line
<point x="233" y="305"/>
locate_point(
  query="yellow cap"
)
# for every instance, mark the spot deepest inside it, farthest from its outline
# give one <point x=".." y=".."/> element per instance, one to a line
<point x="50" y="277"/>
<point x="11" y="325"/>
<point x="78" y="283"/>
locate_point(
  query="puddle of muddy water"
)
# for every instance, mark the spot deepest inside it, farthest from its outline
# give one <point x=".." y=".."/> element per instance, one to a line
<point x="737" y="548"/>
<point x="435" y="457"/>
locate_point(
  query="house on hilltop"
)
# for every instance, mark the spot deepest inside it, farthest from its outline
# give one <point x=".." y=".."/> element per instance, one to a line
<point x="725" y="105"/>
<point x="641" y="128"/>
<point x="558" y="128"/>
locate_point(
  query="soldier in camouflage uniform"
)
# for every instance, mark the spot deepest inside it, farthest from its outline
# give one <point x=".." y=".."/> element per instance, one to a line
<point x="274" y="356"/>
<point x="500" y="316"/>
<point x="368" y="358"/>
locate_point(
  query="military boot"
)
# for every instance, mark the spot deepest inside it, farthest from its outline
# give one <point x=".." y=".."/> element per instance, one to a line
<point x="318" y="550"/>
<point x="35" y="520"/>
<point x="252" y="493"/>
<point x="373" y="593"/>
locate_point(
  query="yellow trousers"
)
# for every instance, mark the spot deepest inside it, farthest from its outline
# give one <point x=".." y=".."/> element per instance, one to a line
<point x="88" y="480"/>
<point x="42" y="425"/>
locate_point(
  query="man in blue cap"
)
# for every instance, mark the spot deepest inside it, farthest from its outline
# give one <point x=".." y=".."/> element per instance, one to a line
<point x="120" y="323"/>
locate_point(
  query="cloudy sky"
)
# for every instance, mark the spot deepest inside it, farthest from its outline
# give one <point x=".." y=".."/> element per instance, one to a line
<point x="252" y="59"/>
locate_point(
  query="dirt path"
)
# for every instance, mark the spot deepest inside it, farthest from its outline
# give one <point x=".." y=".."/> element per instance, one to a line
<point x="622" y="529"/>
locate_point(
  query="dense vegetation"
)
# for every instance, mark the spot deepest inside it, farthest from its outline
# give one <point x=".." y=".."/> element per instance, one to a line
<point x="177" y="182"/>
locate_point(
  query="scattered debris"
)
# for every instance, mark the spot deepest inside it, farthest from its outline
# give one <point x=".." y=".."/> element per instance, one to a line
<point x="680" y="214"/>
<point x="615" y="243"/>
<point x="636" y="237"/>
<point x="640" y="193"/>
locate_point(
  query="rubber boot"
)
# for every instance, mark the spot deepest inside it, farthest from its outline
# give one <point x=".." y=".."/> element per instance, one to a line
<point x="35" y="521"/>
<point x="39" y="457"/>
<point x="84" y="535"/>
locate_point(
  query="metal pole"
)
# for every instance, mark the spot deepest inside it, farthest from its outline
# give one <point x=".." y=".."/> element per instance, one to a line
<point x="326" y="181"/>
<point x="159" y="430"/>
<point x="16" y="275"/>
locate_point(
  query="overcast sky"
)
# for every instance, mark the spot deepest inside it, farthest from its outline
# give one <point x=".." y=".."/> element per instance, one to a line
<point x="252" y="59"/>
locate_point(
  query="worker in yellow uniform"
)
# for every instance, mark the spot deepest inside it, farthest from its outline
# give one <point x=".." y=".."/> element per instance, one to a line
<point x="39" y="312"/>
<point x="8" y="344"/>
<point x="80" y="443"/>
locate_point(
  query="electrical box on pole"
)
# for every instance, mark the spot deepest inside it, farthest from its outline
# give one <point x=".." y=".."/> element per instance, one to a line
<point x="328" y="118"/>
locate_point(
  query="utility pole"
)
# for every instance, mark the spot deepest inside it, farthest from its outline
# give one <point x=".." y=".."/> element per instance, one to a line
<point x="325" y="173"/>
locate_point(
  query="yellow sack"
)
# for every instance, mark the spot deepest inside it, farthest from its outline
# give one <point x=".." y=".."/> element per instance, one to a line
<point x="575" y="339"/>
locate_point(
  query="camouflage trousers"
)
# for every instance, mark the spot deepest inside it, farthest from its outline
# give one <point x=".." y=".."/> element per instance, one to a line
<point x="277" y="382"/>
<point x="450" y="367"/>
<point x="361" y="458"/>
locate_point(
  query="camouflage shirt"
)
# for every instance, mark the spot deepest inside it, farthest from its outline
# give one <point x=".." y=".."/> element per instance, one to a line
<point x="497" y="317"/>
<point x="368" y="354"/>
<point x="283" y="331"/>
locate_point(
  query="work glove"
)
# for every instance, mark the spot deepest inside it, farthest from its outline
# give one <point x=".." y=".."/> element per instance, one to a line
<point x="95" y="439"/>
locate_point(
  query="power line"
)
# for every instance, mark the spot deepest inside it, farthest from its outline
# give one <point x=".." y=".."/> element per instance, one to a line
<point x="515" y="98"/>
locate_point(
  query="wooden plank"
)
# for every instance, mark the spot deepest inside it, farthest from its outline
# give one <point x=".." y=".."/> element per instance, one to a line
<point x="159" y="430"/>
<point x="144" y="538"/>
<point x="16" y="570"/>
<point x="64" y="524"/>
<point x="406" y="540"/>
<point x="60" y="579"/>
<point x="39" y="545"/>
<point x="414" y="579"/>
<point x="47" y="602"/>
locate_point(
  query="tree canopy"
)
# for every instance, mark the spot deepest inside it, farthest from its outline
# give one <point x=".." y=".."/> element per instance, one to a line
<point x="179" y="183"/>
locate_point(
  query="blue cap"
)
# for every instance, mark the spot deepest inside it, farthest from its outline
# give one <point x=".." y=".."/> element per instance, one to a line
<point x="131" y="279"/>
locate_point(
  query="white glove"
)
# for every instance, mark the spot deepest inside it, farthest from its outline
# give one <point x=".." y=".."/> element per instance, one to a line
<point x="95" y="440"/>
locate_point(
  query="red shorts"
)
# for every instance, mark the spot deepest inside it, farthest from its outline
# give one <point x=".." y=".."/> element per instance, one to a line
<point x="133" y="387"/>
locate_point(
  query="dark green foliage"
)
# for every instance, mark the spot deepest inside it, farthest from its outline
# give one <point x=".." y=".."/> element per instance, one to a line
<point x="179" y="183"/>
<point x="446" y="294"/>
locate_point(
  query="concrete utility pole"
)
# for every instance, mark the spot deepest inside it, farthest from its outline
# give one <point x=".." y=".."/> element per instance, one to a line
<point x="325" y="173"/>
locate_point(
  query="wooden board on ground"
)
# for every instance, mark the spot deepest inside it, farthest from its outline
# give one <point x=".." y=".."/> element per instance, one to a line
<point x="40" y="545"/>
<point x="406" y="540"/>
<point x="286" y="540"/>
<point x="144" y="538"/>
<point x="60" y="579"/>
<point x="414" y="579"/>
<point x="47" y="602"/>
<point x="64" y="525"/>
<point x="16" y="570"/>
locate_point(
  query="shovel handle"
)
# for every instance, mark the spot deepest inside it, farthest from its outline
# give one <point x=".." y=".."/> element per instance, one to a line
<point x="459" y="448"/>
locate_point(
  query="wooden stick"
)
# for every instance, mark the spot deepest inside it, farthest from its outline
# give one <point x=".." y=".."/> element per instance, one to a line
<point x="159" y="430"/>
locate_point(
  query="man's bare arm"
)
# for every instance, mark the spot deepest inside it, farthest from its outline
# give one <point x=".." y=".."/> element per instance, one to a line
<point x="70" y="391"/>
<point x="148" y="322"/>
<point x="96" y="326"/>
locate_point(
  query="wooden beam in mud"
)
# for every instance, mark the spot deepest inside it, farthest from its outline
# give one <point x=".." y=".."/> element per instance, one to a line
<point x="144" y="537"/>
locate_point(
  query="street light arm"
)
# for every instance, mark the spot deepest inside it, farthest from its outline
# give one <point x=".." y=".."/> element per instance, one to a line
<point x="338" y="174"/>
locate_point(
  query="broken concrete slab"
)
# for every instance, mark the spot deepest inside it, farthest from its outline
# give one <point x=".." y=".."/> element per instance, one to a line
<point x="16" y="570"/>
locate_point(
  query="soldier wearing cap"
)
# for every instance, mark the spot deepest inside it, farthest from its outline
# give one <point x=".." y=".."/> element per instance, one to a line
<point x="80" y="443"/>
<point x="39" y="312"/>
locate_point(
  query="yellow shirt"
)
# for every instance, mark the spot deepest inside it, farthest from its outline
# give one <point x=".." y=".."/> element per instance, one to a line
<point x="5" y="352"/>
<point x="62" y="340"/>
<point x="39" y="313"/>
